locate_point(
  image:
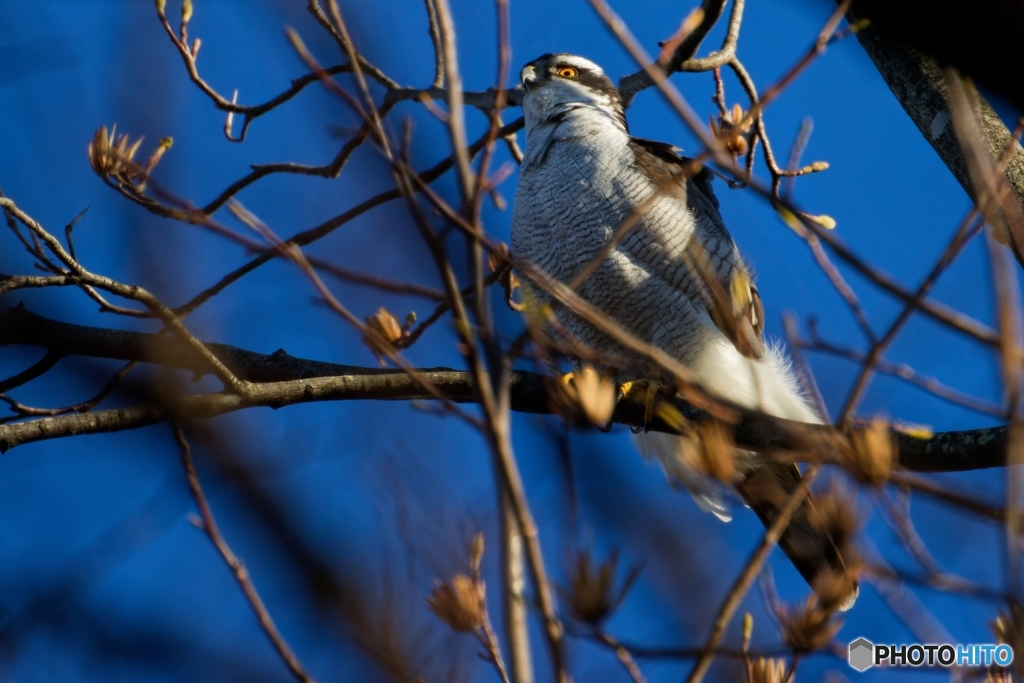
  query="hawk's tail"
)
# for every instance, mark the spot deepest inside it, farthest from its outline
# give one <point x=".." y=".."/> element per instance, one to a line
<point x="768" y="384"/>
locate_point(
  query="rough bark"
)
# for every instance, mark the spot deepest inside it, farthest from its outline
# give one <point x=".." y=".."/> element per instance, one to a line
<point x="282" y="380"/>
<point x="918" y="82"/>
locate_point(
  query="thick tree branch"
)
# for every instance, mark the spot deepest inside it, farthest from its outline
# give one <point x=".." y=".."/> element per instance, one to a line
<point x="21" y="326"/>
<point x="917" y="81"/>
<point x="280" y="380"/>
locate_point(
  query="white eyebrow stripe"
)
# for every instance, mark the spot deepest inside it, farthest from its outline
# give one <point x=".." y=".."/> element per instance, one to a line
<point x="580" y="63"/>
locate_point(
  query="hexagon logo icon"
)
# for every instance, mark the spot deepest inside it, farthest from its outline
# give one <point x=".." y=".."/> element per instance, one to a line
<point x="862" y="654"/>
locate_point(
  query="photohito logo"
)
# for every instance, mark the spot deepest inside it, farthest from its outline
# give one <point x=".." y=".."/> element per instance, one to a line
<point x="864" y="654"/>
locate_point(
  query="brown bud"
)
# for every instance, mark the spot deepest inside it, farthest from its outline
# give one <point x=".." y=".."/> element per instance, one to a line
<point x="596" y="395"/>
<point x="710" y="451"/>
<point x="1007" y="628"/>
<point x="763" y="670"/>
<point x="584" y="396"/>
<point x="738" y="119"/>
<point x="833" y="515"/>
<point x="809" y="626"/>
<point x="476" y="553"/>
<point x="738" y="145"/>
<point x="732" y="129"/>
<point x="459" y="604"/>
<point x="383" y="332"/>
<point x="716" y="130"/>
<point x="100" y="150"/>
<point x="385" y="322"/>
<point x="590" y="596"/>
<point x="112" y="155"/>
<point x="872" y="453"/>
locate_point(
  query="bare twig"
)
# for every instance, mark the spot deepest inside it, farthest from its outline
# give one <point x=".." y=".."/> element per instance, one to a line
<point x="133" y="292"/>
<point x="929" y="488"/>
<point x="250" y="113"/>
<point x="968" y="228"/>
<point x="753" y="567"/>
<point x="83" y="407"/>
<point x="316" y="233"/>
<point x="623" y="655"/>
<point x="659" y="78"/>
<point x="908" y="374"/>
<point x="683" y="57"/>
<point x="37" y="369"/>
<point x="235" y="563"/>
<point x="369" y="69"/>
<point x="435" y="39"/>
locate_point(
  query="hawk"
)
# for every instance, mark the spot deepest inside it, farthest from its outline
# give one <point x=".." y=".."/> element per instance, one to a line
<point x="675" y="280"/>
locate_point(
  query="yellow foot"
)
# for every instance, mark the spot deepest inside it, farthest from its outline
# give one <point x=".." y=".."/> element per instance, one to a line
<point x="649" y="386"/>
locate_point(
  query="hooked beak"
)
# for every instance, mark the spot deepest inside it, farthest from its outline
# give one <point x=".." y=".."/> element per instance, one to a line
<point x="528" y="76"/>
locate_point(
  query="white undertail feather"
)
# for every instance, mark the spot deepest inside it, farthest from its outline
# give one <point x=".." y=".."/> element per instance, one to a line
<point x="768" y="384"/>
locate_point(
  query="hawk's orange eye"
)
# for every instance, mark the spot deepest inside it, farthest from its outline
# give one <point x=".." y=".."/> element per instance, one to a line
<point x="568" y="72"/>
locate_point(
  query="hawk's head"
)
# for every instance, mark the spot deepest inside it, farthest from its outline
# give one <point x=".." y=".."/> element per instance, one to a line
<point x="558" y="83"/>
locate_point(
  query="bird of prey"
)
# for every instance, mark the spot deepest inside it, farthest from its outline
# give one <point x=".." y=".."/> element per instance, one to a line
<point x="675" y="280"/>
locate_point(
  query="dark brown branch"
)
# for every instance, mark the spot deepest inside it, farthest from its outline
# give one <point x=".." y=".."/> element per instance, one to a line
<point x="683" y="57"/>
<point x="38" y="369"/>
<point x="313" y="234"/>
<point x="188" y="55"/>
<point x="279" y="380"/>
<point x="366" y="67"/>
<point x="927" y="487"/>
<point x="483" y="100"/>
<point x="131" y="292"/>
<point x="21" y="410"/>
<point x="20" y="326"/>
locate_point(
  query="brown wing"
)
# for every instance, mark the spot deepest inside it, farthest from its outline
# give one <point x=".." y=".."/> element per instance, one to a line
<point x="732" y="299"/>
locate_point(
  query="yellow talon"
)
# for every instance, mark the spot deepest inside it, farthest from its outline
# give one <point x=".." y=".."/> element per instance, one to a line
<point x="650" y="387"/>
<point x="566" y="378"/>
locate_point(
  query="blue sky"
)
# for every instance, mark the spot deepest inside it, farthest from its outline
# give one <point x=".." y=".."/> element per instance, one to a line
<point x="105" y="517"/>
